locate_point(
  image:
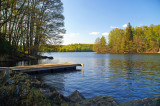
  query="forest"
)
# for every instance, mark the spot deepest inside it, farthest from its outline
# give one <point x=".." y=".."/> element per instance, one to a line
<point x="68" y="48"/>
<point x="25" y="25"/>
<point x="144" y="39"/>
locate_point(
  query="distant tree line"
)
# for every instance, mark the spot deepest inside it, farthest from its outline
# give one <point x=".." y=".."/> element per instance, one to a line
<point x="67" y="48"/>
<point x="25" y="25"/>
<point x="142" y="39"/>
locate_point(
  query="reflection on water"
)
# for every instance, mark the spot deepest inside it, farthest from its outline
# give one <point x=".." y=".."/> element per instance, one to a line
<point x="123" y="76"/>
<point x="19" y="63"/>
<point x="138" y="77"/>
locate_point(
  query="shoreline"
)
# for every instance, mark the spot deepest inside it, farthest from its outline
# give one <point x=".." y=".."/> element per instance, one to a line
<point x="53" y="97"/>
<point x="9" y="58"/>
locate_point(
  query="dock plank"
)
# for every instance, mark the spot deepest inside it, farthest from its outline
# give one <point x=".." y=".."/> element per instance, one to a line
<point x="43" y="67"/>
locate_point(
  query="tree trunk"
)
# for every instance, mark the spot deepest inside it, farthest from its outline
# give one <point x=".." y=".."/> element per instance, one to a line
<point x="27" y="42"/>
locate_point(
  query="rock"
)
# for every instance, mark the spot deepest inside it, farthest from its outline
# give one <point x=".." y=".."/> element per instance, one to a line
<point x="50" y="57"/>
<point x="76" y="96"/>
<point x="55" y="96"/>
<point x="46" y="92"/>
<point x="46" y="57"/>
<point x="152" y="101"/>
<point x="102" y="100"/>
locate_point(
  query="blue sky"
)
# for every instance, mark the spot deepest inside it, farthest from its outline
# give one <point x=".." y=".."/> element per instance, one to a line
<point x="85" y="20"/>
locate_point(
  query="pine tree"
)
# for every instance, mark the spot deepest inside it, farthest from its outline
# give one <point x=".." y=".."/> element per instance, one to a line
<point x="129" y="34"/>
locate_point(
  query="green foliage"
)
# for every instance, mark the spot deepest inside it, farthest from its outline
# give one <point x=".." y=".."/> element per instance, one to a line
<point x="6" y="48"/>
<point x="117" y="41"/>
<point x="97" y="45"/>
<point x="135" y="40"/>
<point x="103" y="44"/>
<point x="28" y="24"/>
<point x="100" y="45"/>
<point x="50" y="48"/>
<point x="129" y="35"/>
<point x="68" y="48"/>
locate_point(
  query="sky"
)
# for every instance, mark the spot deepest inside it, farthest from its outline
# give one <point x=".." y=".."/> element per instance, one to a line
<point x="85" y="20"/>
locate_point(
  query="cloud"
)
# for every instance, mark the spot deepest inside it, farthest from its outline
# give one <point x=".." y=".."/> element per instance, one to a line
<point x="71" y="35"/>
<point x="105" y="33"/>
<point x="125" y="25"/>
<point x="113" y="27"/>
<point x="140" y="25"/>
<point x="94" y="33"/>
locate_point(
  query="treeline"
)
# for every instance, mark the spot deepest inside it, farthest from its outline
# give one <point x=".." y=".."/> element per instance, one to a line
<point x="68" y="48"/>
<point x="28" y="24"/>
<point x="135" y="40"/>
<point x="142" y="39"/>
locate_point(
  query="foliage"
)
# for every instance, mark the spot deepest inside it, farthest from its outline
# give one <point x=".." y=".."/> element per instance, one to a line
<point x="6" y="48"/>
<point x="100" y="45"/>
<point x="96" y="46"/>
<point x="68" y="48"/>
<point x="135" y="40"/>
<point x="28" y="24"/>
<point x="129" y="34"/>
<point x="131" y="40"/>
<point x="77" y="48"/>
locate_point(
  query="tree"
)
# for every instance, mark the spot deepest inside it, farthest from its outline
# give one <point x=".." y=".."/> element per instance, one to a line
<point x="129" y="34"/>
<point x="97" y="45"/>
<point x="138" y="39"/>
<point x="103" y="44"/>
<point x="28" y="24"/>
<point x="117" y="40"/>
<point x="135" y="40"/>
<point x="157" y="35"/>
<point x="100" y="45"/>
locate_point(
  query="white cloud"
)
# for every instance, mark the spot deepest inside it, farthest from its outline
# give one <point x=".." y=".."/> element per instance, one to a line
<point x="71" y="35"/>
<point x="105" y="33"/>
<point x="94" y="33"/>
<point x="139" y="25"/>
<point x="125" y="25"/>
<point x="113" y="27"/>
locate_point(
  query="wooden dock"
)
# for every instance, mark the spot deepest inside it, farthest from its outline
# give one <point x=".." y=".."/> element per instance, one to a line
<point x="42" y="68"/>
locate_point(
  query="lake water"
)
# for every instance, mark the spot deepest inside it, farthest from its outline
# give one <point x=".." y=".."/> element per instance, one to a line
<point x="124" y="76"/>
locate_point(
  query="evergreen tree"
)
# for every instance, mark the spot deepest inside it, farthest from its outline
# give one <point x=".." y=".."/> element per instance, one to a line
<point x="129" y="34"/>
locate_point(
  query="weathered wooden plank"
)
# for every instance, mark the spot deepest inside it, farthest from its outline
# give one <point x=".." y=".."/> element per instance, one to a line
<point x="43" y="67"/>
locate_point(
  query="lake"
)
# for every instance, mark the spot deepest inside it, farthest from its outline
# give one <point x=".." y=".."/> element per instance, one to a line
<point x="124" y="76"/>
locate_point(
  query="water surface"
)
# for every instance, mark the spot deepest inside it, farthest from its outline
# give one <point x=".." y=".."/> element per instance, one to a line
<point x="124" y="76"/>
